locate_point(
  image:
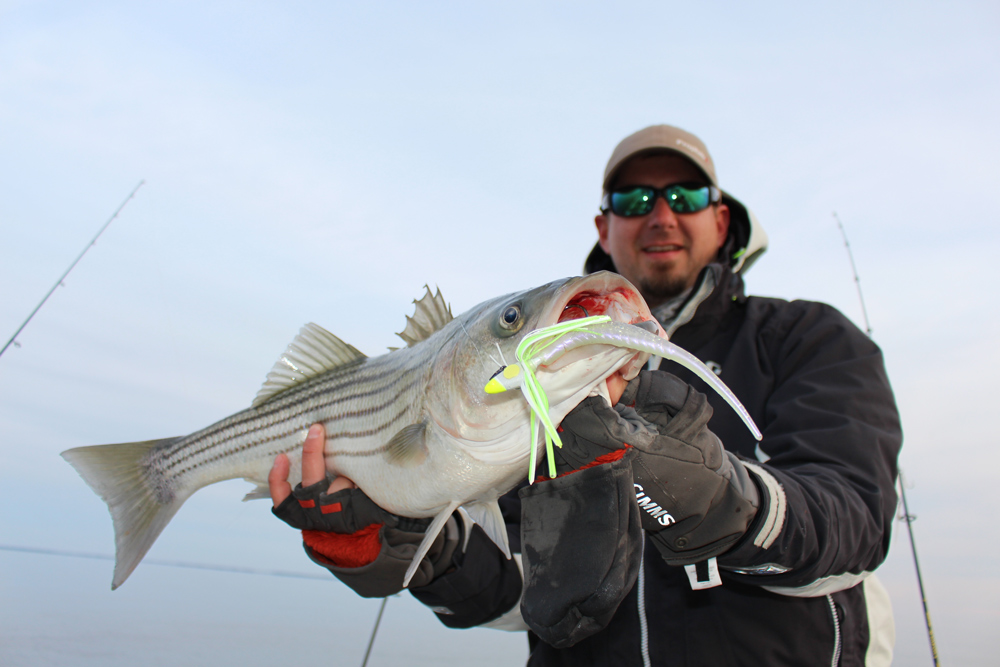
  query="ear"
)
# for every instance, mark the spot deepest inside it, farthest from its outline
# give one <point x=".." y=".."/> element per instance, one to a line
<point x="722" y="223"/>
<point x="601" y="221"/>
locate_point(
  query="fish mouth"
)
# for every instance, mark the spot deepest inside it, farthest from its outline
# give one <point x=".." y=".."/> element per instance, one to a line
<point x="601" y="293"/>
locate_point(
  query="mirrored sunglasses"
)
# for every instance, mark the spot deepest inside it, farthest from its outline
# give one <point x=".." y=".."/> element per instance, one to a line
<point x="639" y="200"/>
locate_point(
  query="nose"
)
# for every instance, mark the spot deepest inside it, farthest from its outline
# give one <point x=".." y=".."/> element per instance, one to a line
<point x="661" y="215"/>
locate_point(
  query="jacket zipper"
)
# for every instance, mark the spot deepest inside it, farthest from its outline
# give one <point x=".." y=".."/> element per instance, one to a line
<point x="836" y="631"/>
<point x="643" y="624"/>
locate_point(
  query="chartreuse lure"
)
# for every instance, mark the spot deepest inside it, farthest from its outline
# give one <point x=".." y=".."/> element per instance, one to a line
<point x="522" y="375"/>
<point x="545" y="345"/>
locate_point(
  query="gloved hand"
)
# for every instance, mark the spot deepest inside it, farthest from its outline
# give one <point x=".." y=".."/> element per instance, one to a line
<point x="593" y="433"/>
<point x="581" y="543"/>
<point x="696" y="499"/>
<point x="366" y="547"/>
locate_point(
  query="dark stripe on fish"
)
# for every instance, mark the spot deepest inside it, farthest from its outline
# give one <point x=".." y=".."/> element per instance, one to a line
<point x="221" y="432"/>
<point x="342" y="434"/>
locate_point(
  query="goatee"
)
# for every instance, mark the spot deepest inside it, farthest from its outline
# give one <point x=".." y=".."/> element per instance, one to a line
<point x="661" y="289"/>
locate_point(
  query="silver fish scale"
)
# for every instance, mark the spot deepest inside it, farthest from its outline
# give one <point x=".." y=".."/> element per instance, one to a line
<point x="362" y="404"/>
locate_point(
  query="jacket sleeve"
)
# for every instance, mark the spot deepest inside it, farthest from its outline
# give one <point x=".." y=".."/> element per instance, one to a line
<point x="828" y="457"/>
<point x="483" y="585"/>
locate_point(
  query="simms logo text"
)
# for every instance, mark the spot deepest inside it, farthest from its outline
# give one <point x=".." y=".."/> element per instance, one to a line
<point x="661" y="515"/>
<point x="694" y="149"/>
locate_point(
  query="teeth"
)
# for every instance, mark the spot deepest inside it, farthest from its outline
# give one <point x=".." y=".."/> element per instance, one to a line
<point x="662" y="248"/>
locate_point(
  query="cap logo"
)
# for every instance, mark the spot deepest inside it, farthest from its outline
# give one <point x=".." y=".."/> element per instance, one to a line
<point x="693" y="149"/>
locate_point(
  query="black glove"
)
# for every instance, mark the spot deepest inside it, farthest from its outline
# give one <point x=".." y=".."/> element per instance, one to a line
<point x="696" y="499"/>
<point x="580" y="539"/>
<point x="591" y="434"/>
<point x="364" y="546"/>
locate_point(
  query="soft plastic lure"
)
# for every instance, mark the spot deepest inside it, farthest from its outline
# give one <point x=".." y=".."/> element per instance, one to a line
<point x="543" y="346"/>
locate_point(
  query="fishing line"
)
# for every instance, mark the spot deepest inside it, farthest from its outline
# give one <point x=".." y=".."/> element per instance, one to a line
<point x="478" y="351"/>
<point x="71" y="266"/>
<point x="504" y="361"/>
<point x="906" y="516"/>
<point x="854" y="270"/>
<point x="199" y="566"/>
<point x="167" y="563"/>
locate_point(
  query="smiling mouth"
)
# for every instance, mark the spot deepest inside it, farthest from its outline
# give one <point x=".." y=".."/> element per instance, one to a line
<point x="662" y="248"/>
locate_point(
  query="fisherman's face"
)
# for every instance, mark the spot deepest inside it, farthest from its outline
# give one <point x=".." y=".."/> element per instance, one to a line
<point x="662" y="252"/>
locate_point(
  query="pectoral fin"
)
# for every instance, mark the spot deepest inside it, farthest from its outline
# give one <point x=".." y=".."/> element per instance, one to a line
<point x="408" y="448"/>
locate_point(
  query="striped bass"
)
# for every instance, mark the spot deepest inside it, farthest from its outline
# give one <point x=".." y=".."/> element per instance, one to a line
<point x="414" y="428"/>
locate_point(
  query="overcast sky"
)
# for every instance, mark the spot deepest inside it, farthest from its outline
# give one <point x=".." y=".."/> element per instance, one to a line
<point x="322" y="161"/>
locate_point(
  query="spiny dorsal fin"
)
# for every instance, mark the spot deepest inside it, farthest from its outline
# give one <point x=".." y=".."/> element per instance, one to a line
<point x="430" y="315"/>
<point x="315" y="350"/>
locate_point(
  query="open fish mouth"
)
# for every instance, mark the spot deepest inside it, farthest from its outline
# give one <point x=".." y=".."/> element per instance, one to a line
<point x="602" y="294"/>
<point x="619" y="305"/>
<point x="605" y="294"/>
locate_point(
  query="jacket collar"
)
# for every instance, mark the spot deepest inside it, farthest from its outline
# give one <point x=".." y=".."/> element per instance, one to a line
<point x="716" y="291"/>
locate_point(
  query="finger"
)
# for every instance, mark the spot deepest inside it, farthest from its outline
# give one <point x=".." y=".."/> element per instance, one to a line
<point x="313" y="461"/>
<point x="341" y="483"/>
<point x="277" y="480"/>
<point x="616" y="387"/>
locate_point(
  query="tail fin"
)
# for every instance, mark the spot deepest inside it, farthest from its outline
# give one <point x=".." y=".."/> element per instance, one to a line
<point x="117" y="474"/>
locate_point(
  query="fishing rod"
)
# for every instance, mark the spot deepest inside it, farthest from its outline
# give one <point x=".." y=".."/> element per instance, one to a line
<point x="71" y="266"/>
<point x="905" y="516"/>
<point x="371" y="640"/>
<point x="909" y="519"/>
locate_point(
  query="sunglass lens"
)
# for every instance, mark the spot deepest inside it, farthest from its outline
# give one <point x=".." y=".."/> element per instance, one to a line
<point x="629" y="203"/>
<point x="687" y="200"/>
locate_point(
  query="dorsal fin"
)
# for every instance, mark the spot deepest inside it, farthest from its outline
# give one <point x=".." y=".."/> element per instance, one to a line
<point x="315" y="350"/>
<point x="430" y="315"/>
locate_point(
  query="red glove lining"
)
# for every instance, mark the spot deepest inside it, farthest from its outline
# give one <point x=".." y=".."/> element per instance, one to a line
<point x="600" y="460"/>
<point x="354" y="550"/>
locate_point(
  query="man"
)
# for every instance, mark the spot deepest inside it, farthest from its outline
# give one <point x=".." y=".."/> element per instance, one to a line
<point x="687" y="543"/>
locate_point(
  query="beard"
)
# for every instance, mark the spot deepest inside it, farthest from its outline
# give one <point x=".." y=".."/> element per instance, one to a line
<point x="660" y="289"/>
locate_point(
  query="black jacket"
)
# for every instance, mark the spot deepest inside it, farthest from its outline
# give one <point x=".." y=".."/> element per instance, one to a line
<point x="792" y="591"/>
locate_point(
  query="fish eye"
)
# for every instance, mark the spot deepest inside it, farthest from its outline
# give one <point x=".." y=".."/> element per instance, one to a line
<point x="510" y="317"/>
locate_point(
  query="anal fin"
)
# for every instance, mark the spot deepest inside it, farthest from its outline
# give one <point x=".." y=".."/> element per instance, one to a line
<point x="490" y="519"/>
<point x="260" y="491"/>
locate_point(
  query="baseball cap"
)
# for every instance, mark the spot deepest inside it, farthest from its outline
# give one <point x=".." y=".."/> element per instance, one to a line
<point x="658" y="138"/>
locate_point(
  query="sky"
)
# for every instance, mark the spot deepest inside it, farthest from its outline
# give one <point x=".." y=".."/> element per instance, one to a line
<point x="323" y="161"/>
